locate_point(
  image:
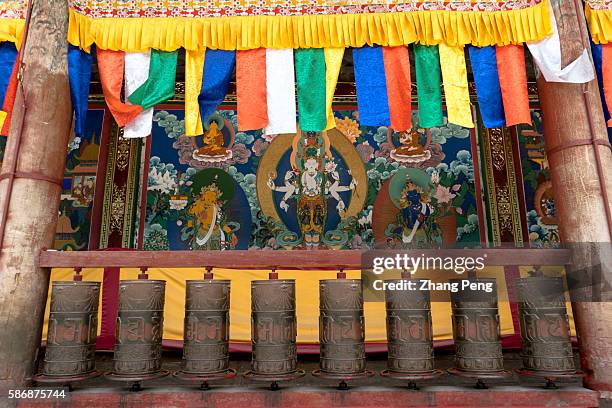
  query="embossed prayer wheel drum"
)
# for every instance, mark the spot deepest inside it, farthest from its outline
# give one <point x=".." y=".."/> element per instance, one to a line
<point x="341" y="328"/>
<point x="205" y="348"/>
<point x="476" y="329"/>
<point x="139" y="329"/>
<point x="73" y="327"/>
<point x="545" y="329"/>
<point x="409" y="330"/>
<point x="273" y="328"/>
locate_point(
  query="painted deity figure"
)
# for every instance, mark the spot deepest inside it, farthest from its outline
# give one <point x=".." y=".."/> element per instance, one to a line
<point x="210" y="229"/>
<point x="415" y="209"/>
<point x="213" y="142"/>
<point x="410" y="149"/>
<point x="312" y="180"/>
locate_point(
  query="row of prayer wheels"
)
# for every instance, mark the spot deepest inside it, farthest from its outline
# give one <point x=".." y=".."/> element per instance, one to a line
<point x="70" y="352"/>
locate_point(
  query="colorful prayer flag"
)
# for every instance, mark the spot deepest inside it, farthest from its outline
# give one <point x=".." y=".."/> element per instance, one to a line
<point x="456" y="92"/>
<point x="251" y="89"/>
<point x="136" y="74"/>
<point x="79" y="76"/>
<point x="159" y="86"/>
<point x="488" y="91"/>
<point x="218" y="69"/>
<point x="513" y="83"/>
<point x="371" y="85"/>
<point x="427" y="65"/>
<point x="399" y="87"/>
<point x="280" y="91"/>
<point x="194" y="66"/>
<point x="310" y="74"/>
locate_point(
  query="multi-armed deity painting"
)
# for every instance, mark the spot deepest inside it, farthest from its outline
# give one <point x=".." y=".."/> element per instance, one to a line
<point x="350" y="187"/>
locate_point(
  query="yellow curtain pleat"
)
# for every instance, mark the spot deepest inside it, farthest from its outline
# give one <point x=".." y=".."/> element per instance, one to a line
<point x="454" y="77"/>
<point x="194" y="66"/>
<point x="600" y="24"/>
<point x="11" y="29"/>
<point x="333" y="61"/>
<point x="428" y="27"/>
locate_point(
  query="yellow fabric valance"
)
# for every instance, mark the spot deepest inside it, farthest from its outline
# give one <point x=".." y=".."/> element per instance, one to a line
<point x="12" y="21"/>
<point x="600" y="22"/>
<point x="184" y="26"/>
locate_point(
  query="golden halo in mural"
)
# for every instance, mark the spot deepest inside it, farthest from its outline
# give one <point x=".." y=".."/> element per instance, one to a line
<point x="344" y="148"/>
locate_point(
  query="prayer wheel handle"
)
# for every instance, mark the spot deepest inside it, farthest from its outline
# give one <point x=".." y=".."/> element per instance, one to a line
<point x="208" y="275"/>
<point x="273" y="274"/>
<point x="341" y="274"/>
<point x="143" y="275"/>
<point x="77" y="274"/>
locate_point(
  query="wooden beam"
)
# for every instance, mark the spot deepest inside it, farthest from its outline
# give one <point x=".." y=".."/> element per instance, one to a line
<point x="292" y="260"/>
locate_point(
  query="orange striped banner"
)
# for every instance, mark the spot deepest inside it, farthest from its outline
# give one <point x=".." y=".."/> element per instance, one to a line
<point x="251" y="89"/>
<point x="513" y="82"/>
<point x="397" y="72"/>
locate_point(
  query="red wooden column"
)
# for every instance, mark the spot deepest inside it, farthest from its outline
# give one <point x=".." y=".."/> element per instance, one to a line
<point x="30" y="187"/>
<point x="580" y="161"/>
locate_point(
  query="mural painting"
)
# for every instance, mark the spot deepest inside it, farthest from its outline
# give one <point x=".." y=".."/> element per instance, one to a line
<point x="311" y="190"/>
<point x="541" y="214"/>
<point x="73" y="226"/>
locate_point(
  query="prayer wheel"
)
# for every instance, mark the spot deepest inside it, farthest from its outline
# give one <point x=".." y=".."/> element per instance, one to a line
<point x="476" y="331"/>
<point x="341" y="330"/>
<point x="206" y="334"/>
<point x="409" y="333"/>
<point x="273" y="331"/>
<point x="72" y="331"/>
<point x="545" y="330"/>
<point x="139" y="331"/>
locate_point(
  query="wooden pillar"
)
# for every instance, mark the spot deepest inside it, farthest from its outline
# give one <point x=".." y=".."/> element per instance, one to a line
<point x="35" y="156"/>
<point x="580" y="161"/>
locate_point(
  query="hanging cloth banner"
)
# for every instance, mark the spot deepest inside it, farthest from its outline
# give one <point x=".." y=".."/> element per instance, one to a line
<point x="111" y="65"/>
<point x="513" y="83"/>
<point x="399" y="87"/>
<point x="371" y="84"/>
<point x="596" y="51"/>
<point x="547" y="56"/>
<point x="9" y="100"/>
<point x="136" y="73"/>
<point x="79" y="76"/>
<point x="333" y="62"/>
<point x="427" y="65"/>
<point x="159" y="86"/>
<point x="606" y="75"/>
<point x="280" y="92"/>
<point x="8" y="56"/>
<point x="454" y="77"/>
<point x="194" y="66"/>
<point x="218" y="69"/>
<point x="488" y="91"/>
<point x="249" y="24"/>
<point x="310" y="74"/>
<point x="251" y="89"/>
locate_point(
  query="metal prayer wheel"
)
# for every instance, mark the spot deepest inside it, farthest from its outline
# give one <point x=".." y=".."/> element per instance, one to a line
<point x="341" y="330"/>
<point x="139" y="330"/>
<point x="72" y="331"/>
<point x="206" y="343"/>
<point x="273" y="331"/>
<point x="545" y="330"/>
<point x="476" y="330"/>
<point x="409" y="333"/>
